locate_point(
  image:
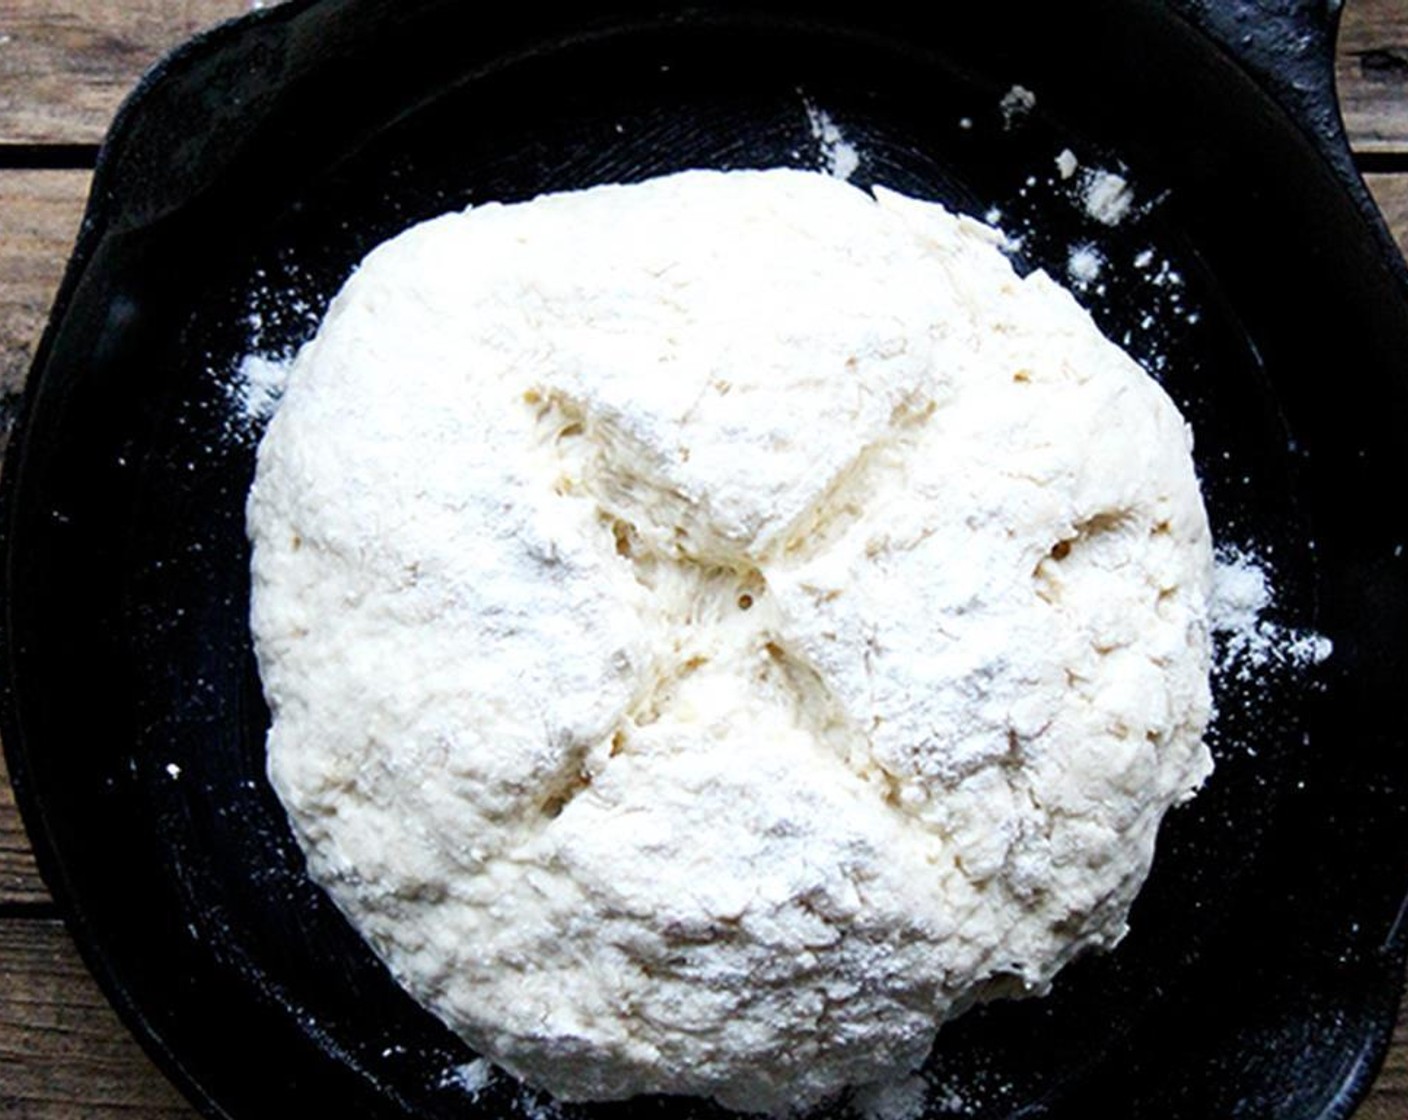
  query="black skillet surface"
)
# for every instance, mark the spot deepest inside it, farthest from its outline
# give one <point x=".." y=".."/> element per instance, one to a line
<point x="251" y="172"/>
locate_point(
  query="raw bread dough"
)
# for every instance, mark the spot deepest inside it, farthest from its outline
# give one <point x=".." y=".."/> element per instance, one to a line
<point x="719" y="628"/>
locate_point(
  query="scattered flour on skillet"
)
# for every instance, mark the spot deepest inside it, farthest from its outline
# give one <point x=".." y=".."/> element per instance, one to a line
<point x="720" y="628"/>
<point x="1016" y="104"/>
<point x="1084" y="264"/>
<point x="840" y="158"/>
<point x="902" y="1099"/>
<point x="1251" y="643"/>
<point x="471" y="1078"/>
<point x="1106" y="196"/>
<point x="255" y="391"/>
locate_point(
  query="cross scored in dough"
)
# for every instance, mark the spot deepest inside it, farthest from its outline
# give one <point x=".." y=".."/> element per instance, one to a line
<point x="720" y="628"/>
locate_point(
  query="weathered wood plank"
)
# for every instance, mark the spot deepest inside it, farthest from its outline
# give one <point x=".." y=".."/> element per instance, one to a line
<point x="39" y="216"/>
<point x="66" y="64"/>
<point x="1372" y="74"/>
<point x="1388" y="1100"/>
<point x="1391" y="193"/>
<point x="63" y="1052"/>
<point x="20" y="883"/>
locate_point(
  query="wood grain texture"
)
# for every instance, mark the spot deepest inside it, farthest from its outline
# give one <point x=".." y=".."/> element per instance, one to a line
<point x="20" y="884"/>
<point x="1388" y="1100"/>
<point x="39" y="216"/>
<point x="1371" y="72"/>
<point x="1391" y="193"/>
<point x="63" y="1052"/>
<point x="66" y="64"/>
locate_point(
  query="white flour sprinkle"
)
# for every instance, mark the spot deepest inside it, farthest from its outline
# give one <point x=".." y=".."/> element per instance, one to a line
<point x="892" y="1100"/>
<point x="474" y="1078"/>
<point x="839" y="157"/>
<point x="471" y="1078"/>
<point x="1106" y="196"/>
<point x="1016" y="103"/>
<point x="1166" y="276"/>
<point x="1084" y="264"/>
<point x="1241" y="595"/>
<point x="537" y="1106"/>
<point x="254" y="393"/>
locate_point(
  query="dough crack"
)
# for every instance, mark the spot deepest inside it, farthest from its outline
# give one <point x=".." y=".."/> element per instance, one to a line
<point x="692" y="666"/>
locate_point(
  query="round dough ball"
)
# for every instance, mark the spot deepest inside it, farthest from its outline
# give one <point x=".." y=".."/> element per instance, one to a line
<point x="719" y="628"/>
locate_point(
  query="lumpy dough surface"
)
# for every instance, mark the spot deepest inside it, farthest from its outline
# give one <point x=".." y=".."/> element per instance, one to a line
<point x="719" y="628"/>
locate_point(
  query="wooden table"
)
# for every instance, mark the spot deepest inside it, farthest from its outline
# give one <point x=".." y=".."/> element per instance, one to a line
<point x="64" y="65"/>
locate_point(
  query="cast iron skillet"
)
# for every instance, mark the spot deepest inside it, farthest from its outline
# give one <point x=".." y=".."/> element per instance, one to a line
<point x="257" y="165"/>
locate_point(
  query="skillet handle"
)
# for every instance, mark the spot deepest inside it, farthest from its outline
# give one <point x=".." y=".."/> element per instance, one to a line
<point x="1289" y="47"/>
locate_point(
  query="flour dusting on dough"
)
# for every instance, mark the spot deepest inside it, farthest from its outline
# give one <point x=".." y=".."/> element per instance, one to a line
<point x="720" y="628"/>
